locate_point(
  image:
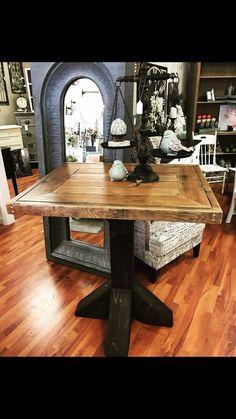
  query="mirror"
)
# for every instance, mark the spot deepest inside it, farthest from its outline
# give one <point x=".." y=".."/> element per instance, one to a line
<point x="83" y="116"/>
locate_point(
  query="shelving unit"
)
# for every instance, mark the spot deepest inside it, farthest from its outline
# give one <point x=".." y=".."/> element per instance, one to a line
<point x="205" y="76"/>
<point x="27" y="122"/>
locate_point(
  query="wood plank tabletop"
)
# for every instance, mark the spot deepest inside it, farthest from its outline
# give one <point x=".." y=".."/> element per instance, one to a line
<point x="85" y="190"/>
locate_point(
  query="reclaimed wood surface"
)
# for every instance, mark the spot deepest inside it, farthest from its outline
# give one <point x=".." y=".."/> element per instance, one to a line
<point x="85" y="190"/>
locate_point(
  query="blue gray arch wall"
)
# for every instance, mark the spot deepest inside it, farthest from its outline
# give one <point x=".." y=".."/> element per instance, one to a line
<point x="50" y="82"/>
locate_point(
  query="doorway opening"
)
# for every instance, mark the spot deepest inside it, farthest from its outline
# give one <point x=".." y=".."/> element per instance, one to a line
<point x="83" y="116"/>
<point x="83" y="111"/>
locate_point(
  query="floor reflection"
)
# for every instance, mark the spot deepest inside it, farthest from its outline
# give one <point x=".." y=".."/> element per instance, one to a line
<point x="90" y="231"/>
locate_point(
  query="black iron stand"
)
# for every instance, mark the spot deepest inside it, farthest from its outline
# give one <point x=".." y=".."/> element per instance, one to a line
<point x="123" y="298"/>
<point x="143" y="171"/>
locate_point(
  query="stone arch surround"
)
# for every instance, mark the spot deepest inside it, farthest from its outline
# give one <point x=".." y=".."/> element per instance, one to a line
<point x="50" y="83"/>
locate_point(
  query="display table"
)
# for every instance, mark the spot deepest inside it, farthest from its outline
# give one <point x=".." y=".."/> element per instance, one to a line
<point x="86" y="191"/>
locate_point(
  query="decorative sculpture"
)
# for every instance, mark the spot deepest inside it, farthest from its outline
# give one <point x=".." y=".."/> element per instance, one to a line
<point x="155" y="120"/>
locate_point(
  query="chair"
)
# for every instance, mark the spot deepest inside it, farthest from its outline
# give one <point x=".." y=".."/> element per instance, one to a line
<point x="157" y="243"/>
<point x="233" y="201"/>
<point x="212" y="171"/>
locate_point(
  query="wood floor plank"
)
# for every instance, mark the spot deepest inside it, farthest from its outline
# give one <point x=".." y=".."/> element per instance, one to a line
<point x="38" y="297"/>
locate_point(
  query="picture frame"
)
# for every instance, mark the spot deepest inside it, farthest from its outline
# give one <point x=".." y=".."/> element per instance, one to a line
<point x="210" y="95"/>
<point x="3" y="87"/>
<point x="227" y="116"/>
<point x="16" y="75"/>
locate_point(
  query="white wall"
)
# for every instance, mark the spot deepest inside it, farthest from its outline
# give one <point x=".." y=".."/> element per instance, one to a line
<point x="87" y="108"/>
<point x="7" y="116"/>
<point x="5" y="218"/>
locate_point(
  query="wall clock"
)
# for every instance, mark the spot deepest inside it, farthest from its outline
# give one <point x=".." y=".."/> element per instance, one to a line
<point x="21" y="103"/>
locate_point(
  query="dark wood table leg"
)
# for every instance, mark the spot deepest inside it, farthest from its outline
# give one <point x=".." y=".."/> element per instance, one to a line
<point x="95" y="305"/>
<point x="119" y="323"/>
<point x="149" y="309"/>
<point x="122" y="276"/>
<point x="123" y="298"/>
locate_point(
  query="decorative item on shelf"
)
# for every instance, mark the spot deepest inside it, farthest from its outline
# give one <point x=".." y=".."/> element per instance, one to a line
<point x="198" y="123"/>
<point x="213" y="122"/>
<point x="210" y="95"/>
<point x="213" y="95"/>
<point x="22" y="104"/>
<point x="230" y="90"/>
<point x="118" y="171"/>
<point x="208" y="121"/>
<point x="218" y="146"/>
<point x="203" y="121"/>
<point x="222" y="163"/>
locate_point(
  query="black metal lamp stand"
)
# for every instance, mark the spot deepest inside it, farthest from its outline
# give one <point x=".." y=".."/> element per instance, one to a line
<point x="144" y="171"/>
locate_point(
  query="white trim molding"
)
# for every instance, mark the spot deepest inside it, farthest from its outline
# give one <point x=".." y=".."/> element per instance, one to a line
<point x="5" y="218"/>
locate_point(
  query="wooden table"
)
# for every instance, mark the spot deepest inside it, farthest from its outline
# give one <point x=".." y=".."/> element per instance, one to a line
<point x="85" y="190"/>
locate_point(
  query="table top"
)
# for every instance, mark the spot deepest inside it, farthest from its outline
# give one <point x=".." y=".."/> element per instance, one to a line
<point x="85" y="190"/>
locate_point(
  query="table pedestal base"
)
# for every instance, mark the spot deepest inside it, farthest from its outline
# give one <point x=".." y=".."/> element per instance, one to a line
<point x="120" y="305"/>
<point x="123" y="298"/>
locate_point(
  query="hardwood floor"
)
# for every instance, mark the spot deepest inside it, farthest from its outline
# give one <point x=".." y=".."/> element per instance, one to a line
<point x="38" y="297"/>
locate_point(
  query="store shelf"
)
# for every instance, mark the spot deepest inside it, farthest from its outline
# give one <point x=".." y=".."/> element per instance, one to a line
<point x="218" y="77"/>
<point x="212" y="102"/>
<point x="219" y="133"/>
<point x="219" y="153"/>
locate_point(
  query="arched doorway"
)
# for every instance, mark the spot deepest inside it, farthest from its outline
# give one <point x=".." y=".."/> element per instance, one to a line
<point x="83" y="119"/>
